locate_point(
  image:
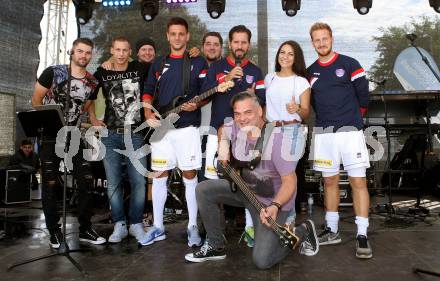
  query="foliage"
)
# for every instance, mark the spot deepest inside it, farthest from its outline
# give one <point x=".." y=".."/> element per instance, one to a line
<point x="392" y="41"/>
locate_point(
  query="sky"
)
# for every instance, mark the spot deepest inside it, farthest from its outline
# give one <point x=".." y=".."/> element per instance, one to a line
<point x="352" y="32"/>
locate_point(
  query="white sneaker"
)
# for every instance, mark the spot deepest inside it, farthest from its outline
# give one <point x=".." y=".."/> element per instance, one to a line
<point x="119" y="232"/>
<point x="137" y="231"/>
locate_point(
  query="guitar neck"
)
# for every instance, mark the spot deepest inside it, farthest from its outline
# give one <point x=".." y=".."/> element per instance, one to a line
<point x="195" y="99"/>
<point x="248" y="193"/>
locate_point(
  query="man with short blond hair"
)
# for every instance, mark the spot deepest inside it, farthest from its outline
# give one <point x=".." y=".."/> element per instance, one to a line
<point x="340" y="98"/>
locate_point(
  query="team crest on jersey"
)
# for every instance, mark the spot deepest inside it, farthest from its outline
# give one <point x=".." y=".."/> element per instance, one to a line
<point x="340" y="72"/>
<point x="249" y="79"/>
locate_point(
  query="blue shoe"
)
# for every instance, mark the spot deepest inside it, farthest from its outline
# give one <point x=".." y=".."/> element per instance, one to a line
<point x="194" y="238"/>
<point x="154" y="234"/>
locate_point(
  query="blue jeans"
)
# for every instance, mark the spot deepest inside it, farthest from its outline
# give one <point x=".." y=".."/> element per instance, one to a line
<point x="113" y="163"/>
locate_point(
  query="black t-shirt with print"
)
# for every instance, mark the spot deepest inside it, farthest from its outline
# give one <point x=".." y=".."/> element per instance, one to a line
<point x="55" y="79"/>
<point x="122" y="93"/>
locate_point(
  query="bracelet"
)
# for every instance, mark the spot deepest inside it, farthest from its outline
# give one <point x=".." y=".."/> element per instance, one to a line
<point x="276" y="204"/>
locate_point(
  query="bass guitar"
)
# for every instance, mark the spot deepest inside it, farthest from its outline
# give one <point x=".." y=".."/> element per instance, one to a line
<point x="285" y="234"/>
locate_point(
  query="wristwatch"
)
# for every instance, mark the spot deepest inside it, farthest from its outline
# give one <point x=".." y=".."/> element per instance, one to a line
<point x="276" y="204"/>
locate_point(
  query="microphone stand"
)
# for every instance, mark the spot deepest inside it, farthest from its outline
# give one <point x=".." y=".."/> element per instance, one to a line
<point x="64" y="249"/>
<point x="417" y="209"/>
<point x="412" y="38"/>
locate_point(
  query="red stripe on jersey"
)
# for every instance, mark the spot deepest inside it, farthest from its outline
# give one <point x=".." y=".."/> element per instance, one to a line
<point x="329" y="62"/>
<point x="259" y="82"/>
<point x="356" y="72"/>
<point x="147" y="97"/>
<point x="220" y="77"/>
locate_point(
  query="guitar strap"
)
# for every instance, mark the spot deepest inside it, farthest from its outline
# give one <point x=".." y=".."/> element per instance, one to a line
<point x="186" y="74"/>
<point x="260" y="146"/>
<point x="156" y="87"/>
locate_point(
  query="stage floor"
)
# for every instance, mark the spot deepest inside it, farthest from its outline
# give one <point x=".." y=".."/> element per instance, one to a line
<point x="397" y="248"/>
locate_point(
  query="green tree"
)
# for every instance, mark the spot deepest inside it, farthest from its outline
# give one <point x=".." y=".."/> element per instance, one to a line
<point x="107" y="23"/>
<point x="392" y="41"/>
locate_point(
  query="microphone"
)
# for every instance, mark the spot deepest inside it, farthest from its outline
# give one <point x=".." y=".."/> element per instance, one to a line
<point x="238" y="61"/>
<point x="411" y="37"/>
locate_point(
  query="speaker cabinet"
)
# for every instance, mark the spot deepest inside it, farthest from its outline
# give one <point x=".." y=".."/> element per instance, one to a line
<point x="16" y="186"/>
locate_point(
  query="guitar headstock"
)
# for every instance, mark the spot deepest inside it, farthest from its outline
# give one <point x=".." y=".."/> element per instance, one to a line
<point x="223" y="87"/>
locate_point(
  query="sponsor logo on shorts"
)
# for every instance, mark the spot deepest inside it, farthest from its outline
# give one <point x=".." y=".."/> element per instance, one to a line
<point x="159" y="162"/>
<point x="359" y="155"/>
<point x="323" y="163"/>
<point x="340" y="72"/>
<point x="193" y="158"/>
<point x="211" y="169"/>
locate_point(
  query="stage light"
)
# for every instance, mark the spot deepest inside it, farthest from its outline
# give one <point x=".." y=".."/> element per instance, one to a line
<point x="180" y="1"/>
<point x="84" y="10"/>
<point x="362" y="6"/>
<point x="215" y="8"/>
<point x="149" y="9"/>
<point x="291" y="7"/>
<point x="435" y="4"/>
<point x="117" y="3"/>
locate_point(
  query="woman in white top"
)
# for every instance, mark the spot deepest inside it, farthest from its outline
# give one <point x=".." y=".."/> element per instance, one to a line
<point x="288" y="100"/>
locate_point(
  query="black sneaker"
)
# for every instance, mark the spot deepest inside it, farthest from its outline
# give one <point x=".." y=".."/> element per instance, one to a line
<point x="56" y="237"/>
<point x="206" y="253"/>
<point x="310" y="245"/>
<point x="363" y="248"/>
<point x="327" y="237"/>
<point x="90" y="235"/>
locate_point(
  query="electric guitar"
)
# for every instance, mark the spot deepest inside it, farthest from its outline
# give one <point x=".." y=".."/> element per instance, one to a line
<point x="172" y="109"/>
<point x="285" y="234"/>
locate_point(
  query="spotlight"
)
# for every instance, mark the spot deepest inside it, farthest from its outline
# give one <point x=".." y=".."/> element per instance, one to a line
<point x="215" y="8"/>
<point x="84" y="10"/>
<point x="111" y="3"/>
<point x="362" y="6"/>
<point x="291" y="7"/>
<point x="435" y="4"/>
<point x="149" y="9"/>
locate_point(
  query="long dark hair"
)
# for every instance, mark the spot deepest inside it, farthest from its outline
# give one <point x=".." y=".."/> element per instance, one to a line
<point x="299" y="65"/>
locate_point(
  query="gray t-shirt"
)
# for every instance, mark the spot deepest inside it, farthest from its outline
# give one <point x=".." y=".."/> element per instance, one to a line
<point x="265" y="179"/>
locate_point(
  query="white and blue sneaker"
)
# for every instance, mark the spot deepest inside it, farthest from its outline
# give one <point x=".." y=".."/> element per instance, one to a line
<point x="154" y="234"/>
<point x="194" y="238"/>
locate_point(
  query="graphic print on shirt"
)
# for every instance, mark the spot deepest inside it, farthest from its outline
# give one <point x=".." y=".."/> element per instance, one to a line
<point x="124" y="96"/>
<point x="80" y="91"/>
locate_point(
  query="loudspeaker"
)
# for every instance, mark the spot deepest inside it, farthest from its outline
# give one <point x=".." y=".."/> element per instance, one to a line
<point x="16" y="186"/>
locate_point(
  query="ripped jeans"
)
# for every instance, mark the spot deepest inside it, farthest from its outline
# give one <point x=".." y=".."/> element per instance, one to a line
<point x="50" y="164"/>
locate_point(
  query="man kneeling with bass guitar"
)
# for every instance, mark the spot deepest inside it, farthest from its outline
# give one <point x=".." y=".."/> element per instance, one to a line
<point x="265" y="186"/>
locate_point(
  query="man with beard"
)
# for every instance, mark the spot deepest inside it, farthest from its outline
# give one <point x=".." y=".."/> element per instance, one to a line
<point x="272" y="181"/>
<point x="212" y="46"/>
<point x="340" y="98"/>
<point x="51" y="88"/>
<point x="247" y="77"/>
<point x="164" y="83"/>
<point x="121" y="89"/>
